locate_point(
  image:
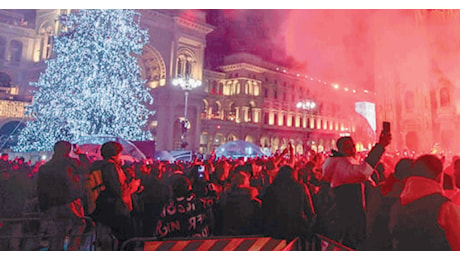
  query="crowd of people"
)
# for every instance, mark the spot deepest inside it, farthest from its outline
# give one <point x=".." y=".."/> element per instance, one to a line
<point x="366" y="201"/>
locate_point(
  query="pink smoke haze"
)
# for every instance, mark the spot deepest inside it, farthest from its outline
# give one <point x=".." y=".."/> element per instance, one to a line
<point x="397" y="53"/>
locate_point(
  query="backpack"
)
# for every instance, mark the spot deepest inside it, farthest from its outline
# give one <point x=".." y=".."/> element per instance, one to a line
<point x="93" y="186"/>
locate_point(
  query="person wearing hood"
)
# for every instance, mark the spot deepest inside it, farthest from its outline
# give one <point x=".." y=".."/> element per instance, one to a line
<point x="424" y="218"/>
<point x="347" y="176"/>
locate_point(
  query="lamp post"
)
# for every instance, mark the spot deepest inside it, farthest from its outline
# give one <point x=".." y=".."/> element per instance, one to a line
<point x="308" y="106"/>
<point x="187" y="84"/>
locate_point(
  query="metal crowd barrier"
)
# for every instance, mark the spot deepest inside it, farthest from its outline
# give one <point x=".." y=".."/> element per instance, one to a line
<point x="28" y="234"/>
<point x="218" y="243"/>
<point x="322" y="243"/>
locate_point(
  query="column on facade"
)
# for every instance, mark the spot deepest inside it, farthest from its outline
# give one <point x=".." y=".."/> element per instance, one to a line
<point x="238" y="114"/>
<point x="245" y="113"/>
<point x="257" y="114"/>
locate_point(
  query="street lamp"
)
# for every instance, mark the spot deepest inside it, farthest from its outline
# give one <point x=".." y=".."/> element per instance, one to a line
<point x="186" y="84"/>
<point x="308" y="106"/>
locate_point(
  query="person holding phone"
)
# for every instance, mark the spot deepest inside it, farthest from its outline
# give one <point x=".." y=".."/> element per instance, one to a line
<point x="114" y="204"/>
<point x="346" y="176"/>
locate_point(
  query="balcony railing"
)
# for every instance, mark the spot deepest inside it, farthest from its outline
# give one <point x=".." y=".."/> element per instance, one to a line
<point x="15" y="19"/>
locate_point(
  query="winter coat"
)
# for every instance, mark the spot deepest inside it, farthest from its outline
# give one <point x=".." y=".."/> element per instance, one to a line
<point x="347" y="177"/>
<point x="240" y="211"/>
<point x="287" y="209"/>
<point x="58" y="182"/>
<point x="424" y="219"/>
<point x="115" y="199"/>
<point x="114" y="204"/>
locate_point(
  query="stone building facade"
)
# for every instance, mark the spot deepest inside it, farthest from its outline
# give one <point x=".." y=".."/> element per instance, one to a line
<point x="417" y="79"/>
<point x="245" y="98"/>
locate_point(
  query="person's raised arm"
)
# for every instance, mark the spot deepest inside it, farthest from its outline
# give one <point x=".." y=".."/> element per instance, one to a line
<point x="379" y="148"/>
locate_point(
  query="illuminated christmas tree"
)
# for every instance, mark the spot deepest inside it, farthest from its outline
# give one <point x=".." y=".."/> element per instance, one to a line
<point x="93" y="84"/>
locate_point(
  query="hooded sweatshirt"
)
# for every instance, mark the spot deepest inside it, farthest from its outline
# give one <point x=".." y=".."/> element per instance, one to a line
<point x="427" y="197"/>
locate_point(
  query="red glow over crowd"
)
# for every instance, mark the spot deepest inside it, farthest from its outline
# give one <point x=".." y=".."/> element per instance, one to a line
<point x="365" y="201"/>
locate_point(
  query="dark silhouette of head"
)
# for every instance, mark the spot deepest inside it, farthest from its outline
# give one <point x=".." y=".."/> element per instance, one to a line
<point x="403" y="168"/>
<point x="285" y="175"/>
<point x="62" y="148"/>
<point x="181" y="186"/>
<point x="110" y="149"/>
<point x="428" y="166"/>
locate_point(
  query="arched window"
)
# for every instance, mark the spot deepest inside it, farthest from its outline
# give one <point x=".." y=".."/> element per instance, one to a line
<point x="205" y="109"/>
<point x="179" y="67"/>
<point x="249" y="139"/>
<point x="184" y="63"/>
<point x="219" y="139"/>
<point x="188" y="67"/>
<point x="236" y="88"/>
<point x="232" y="137"/>
<point x="256" y="89"/>
<point x="15" y="51"/>
<point x="215" y="110"/>
<point x="264" y="142"/>
<point x="251" y="111"/>
<point x="444" y="97"/>
<point x="153" y="67"/>
<point x="232" y="112"/>
<point x="214" y="87"/>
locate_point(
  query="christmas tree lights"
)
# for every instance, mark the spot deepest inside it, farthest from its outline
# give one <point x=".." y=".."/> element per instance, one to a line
<point x="93" y="84"/>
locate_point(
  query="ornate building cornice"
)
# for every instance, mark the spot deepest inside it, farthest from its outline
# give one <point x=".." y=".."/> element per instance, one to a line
<point x="204" y="29"/>
<point x="243" y="65"/>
